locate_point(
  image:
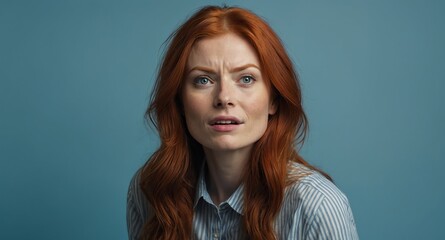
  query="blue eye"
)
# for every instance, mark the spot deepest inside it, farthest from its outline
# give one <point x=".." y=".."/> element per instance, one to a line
<point x="247" y="79"/>
<point x="202" y="80"/>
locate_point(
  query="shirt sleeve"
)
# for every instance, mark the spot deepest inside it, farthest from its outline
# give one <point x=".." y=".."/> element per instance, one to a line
<point x="135" y="213"/>
<point x="333" y="220"/>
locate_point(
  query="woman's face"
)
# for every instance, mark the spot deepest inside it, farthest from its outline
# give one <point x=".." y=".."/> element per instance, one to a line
<point x="225" y="98"/>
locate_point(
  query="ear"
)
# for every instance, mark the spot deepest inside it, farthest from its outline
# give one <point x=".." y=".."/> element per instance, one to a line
<point x="273" y="107"/>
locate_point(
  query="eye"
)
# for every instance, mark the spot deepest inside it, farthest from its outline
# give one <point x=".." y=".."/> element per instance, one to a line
<point x="247" y="79"/>
<point x="202" y="80"/>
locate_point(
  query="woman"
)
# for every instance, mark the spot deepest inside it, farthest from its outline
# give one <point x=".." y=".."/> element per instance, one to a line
<point x="227" y="105"/>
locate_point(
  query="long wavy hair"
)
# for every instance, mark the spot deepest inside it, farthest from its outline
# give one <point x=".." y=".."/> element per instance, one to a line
<point x="169" y="178"/>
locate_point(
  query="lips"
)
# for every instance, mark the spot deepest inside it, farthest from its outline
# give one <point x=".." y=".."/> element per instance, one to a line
<point x="225" y="121"/>
<point x="225" y="124"/>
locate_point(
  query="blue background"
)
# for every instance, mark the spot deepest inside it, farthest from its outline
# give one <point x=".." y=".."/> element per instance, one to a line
<point x="75" y="82"/>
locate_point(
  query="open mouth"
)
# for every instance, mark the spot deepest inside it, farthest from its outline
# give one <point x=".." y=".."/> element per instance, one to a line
<point x="224" y="122"/>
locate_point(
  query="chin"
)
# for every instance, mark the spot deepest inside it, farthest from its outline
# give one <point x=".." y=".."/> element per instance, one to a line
<point x="226" y="146"/>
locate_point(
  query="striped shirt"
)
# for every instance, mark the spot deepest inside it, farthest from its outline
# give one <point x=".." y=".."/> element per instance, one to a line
<point x="313" y="208"/>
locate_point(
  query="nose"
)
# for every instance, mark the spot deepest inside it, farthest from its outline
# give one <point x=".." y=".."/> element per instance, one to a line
<point x="223" y="95"/>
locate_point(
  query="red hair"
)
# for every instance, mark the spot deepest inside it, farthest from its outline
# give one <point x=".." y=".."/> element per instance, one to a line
<point x="169" y="178"/>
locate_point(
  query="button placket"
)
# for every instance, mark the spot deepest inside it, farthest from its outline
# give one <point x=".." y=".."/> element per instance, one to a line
<point x="216" y="229"/>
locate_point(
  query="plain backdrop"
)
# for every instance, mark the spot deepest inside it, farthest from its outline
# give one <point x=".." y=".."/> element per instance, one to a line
<point x="75" y="79"/>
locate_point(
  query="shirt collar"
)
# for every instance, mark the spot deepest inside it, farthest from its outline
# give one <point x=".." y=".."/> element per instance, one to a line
<point x="235" y="201"/>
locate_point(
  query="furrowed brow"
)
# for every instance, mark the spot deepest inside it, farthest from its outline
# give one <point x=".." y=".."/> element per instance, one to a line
<point x="202" y="69"/>
<point x="241" y="68"/>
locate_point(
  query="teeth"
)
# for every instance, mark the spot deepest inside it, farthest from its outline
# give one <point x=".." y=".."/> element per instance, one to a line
<point x="225" y="122"/>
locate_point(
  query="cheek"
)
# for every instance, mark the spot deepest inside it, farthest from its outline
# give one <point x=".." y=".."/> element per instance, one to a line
<point x="259" y="117"/>
<point x="193" y="110"/>
<point x="259" y="111"/>
<point x="260" y="107"/>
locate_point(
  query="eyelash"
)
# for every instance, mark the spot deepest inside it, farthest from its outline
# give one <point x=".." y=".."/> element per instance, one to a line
<point x="249" y="77"/>
<point x="198" y="80"/>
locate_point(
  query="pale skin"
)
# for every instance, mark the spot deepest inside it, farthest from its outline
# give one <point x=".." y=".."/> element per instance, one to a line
<point x="226" y="106"/>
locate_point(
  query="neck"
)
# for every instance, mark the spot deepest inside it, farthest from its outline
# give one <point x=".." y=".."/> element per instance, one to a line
<point x="225" y="172"/>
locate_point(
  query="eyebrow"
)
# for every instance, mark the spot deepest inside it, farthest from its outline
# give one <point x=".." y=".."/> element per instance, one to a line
<point x="237" y="69"/>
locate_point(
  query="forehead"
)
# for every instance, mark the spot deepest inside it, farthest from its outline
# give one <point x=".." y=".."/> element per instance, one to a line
<point x="228" y="49"/>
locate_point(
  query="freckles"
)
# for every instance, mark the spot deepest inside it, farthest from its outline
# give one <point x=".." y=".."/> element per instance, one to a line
<point x="196" y="108"/>
<point x="191" y="100"/>
<point x="259" y="104"/>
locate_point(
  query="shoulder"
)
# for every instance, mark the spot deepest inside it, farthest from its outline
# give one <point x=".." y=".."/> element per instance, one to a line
<point x="311" y="187"/>
<point x="137" y="207"/>
<point x="135" y="194"/>
<point x="318" y="208"/>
